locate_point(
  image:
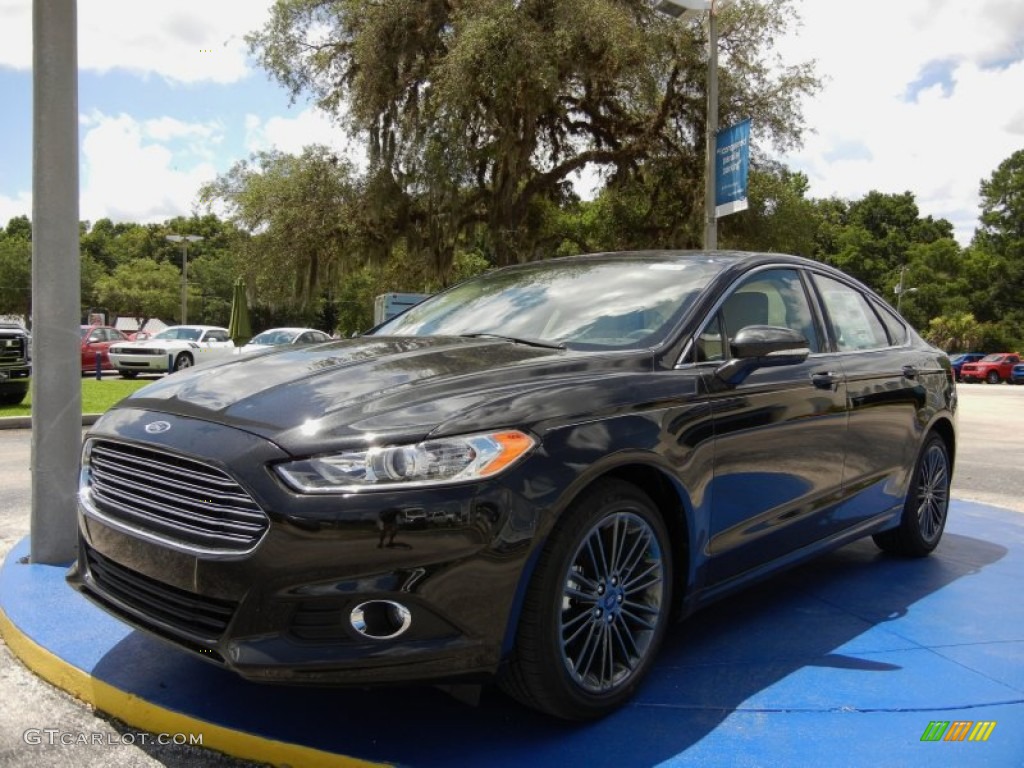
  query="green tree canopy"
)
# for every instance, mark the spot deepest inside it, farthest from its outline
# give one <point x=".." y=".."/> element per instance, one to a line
<point x="141" y="289"/>
<point x="476" y="114"/>
<point x="1000" y="240"/>
<point x="299" y="218"/>
<point x="16" y="273"/>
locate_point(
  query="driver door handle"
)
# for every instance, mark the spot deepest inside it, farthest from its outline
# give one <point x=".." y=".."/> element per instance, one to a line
<point x="825" y="379"/>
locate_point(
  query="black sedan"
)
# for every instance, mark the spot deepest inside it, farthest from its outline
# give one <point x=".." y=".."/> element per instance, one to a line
<point x="525" y="477"/>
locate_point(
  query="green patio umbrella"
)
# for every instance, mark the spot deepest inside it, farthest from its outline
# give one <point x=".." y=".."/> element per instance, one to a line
<point x="239" y="328"/>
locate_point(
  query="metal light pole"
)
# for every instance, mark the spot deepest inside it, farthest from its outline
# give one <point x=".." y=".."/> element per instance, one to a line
<point x="685" y="10"/>
<point x="56" y="282"/>
<point x="184" y="240"/>
<point x="899" y="290"/>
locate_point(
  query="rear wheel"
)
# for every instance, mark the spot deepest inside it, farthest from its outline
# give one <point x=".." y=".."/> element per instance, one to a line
<point x="926" y="507"/>
<point x="597" y="607"/>
<point x="993" y="377"/>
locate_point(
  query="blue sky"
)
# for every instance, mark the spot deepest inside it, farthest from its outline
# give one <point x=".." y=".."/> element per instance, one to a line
<point x="920" y="95"/>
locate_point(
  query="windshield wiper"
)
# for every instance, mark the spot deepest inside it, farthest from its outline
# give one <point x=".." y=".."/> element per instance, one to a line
<point x="515" y="340"/>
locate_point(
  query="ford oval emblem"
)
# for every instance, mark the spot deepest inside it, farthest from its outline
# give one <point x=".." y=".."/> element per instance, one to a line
<point x="156" y="427"/>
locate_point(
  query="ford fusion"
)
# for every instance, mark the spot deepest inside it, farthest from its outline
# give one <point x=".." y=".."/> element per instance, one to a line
<point x="523" y="478"/>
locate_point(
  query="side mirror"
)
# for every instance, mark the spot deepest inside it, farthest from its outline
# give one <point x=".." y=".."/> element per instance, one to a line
<point x="762" y="346"/>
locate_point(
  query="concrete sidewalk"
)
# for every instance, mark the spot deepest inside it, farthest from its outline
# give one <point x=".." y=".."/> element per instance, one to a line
<point x="846" y="661"/>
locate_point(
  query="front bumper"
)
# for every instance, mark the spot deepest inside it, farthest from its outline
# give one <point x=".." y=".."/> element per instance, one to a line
<point x="452" y="557"/>
<point x="140" y="362"/>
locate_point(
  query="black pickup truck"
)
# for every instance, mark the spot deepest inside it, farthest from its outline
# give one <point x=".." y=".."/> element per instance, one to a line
<point x="15" y="363"/>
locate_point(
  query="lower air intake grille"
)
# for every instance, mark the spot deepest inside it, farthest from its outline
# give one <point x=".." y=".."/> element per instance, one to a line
<point x="157" y="605"/>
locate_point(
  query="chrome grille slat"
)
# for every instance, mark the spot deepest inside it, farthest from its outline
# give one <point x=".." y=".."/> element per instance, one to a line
<point x="199" y="471"/>
<point x="194" y="503"/>
<point x="174" y="499"/>
<point x="166" y="520"/>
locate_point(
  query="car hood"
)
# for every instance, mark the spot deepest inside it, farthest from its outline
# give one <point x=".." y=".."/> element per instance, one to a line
<point x="375" y="389"/>
<point x="154" y="344"/>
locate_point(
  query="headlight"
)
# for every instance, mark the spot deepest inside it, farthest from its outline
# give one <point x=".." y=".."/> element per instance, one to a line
<point x="432" y="462"/>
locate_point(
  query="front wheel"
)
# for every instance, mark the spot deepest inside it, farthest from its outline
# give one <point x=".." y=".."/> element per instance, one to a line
<point x="926" y="507"/>
<point x="128" y="374"/>
<point x="993" y="377"/>
<point x="13" y="397"/>
<point x="596" y="608"/>
<point x="182" y="361"/>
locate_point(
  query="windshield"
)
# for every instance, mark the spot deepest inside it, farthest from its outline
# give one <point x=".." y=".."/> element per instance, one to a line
<point x="274" y="337"/>
<point x="187" y="334"/>
<point x="602" y="303"/>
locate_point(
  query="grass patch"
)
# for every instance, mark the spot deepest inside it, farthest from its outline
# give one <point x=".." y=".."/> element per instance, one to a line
<point x="97" y="396"/>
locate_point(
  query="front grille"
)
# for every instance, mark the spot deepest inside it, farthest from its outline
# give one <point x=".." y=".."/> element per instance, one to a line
<point x="155" y="605"/>
<point x="179" y="501"/>
<point x="12" y="350"/>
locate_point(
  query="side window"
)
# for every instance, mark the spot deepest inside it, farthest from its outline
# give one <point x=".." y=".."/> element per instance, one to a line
<point x="772" y="297"/>
<point x="855" y="325"/>
<point x="896" y="328"/>
<point x="709" y="341"/>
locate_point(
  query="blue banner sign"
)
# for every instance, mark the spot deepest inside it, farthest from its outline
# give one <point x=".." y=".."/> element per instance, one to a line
<point x="732" y="163"/>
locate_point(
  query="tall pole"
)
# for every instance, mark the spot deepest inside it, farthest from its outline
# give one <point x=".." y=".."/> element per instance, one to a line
<point x="184" y="240"/>
<point x="899" y="290"/>
<point x="184" y="282"/>
<point x="711" y="219"/>
<point x="56" y="278"/>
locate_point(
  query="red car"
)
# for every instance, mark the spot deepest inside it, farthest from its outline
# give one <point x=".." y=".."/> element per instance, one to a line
<point x="96" y="340"/>
<point x="992" y="368"/>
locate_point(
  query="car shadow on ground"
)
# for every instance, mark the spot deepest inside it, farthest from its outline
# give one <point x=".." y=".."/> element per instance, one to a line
<point x="846" y="632"/>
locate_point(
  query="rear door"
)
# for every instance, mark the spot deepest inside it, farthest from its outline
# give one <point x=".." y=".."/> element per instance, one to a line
<point x="885" y="382"/>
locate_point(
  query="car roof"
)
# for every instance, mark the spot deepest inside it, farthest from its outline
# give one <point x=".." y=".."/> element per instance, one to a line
<point x="196" y="327"/>
<point x="296" y="330"/>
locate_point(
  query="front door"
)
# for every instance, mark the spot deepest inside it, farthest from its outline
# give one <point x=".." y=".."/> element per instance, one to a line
<point x="779" y="436"/>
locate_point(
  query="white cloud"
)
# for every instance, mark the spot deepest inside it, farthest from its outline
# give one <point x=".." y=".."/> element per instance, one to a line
<point x="186" y="41"/>
<point x="938" y="144"/>
<point x="130" y="174"/>
<point x="19" y="205"/>
<point x="292" y="134"/>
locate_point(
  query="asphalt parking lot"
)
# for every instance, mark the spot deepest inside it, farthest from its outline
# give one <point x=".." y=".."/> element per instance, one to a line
<point x="988" y="470"/>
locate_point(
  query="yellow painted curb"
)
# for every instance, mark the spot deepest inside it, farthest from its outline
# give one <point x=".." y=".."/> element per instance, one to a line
<point x="139" y="713"/>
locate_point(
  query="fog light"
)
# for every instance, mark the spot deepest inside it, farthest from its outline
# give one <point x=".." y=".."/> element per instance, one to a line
<point x="380" y="619"/>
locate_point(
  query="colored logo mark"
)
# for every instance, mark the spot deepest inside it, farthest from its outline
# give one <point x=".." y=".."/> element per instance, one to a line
<point x="958" y="730"/>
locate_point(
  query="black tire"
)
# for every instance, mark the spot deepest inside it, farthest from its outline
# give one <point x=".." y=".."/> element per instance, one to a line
<point x="12" y="398"/>
<point x="580" y="605"/>
<point x="182" y="361"/>
<point x="993" y="377"/>
<point x="926" y="507"/>
<point x="128" y="374"/>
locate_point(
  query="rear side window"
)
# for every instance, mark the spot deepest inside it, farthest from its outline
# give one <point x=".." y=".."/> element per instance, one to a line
<point x="896" y="328"/>
<point x="855" y="326"/>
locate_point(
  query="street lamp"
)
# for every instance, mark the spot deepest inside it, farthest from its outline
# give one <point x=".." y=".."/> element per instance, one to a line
<point x="184" y="240"/>
<point x="899" y="290"/>
<point x="685" y="10"/>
